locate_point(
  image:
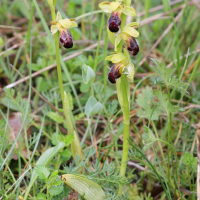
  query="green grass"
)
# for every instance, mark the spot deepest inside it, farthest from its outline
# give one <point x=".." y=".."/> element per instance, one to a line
<point x="101" y="133"/>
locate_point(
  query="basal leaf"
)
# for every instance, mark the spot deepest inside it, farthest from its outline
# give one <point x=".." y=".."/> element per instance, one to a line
<point x="85" y="187"/>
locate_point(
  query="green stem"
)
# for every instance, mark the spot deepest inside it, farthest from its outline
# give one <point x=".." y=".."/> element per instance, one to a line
<point x="105" y="62"/>
<point x="124" y="90"/>
<point x="59" y="66"/>
<point x="58" y="56"/>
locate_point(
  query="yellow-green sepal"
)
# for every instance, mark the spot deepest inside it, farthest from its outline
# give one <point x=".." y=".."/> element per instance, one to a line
<point x="128" y="11"/>
<point x="105" y="6"/>
<point x="114" y="6"/>
<point x="133" y="24"/>
<point x="130" y="31"/>
<point x="116" y="58"/>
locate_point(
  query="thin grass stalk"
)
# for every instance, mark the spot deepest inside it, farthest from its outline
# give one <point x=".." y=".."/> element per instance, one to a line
<point x="153" y="168"/>
<point x="97" y="52"/>
<point x="105" y="62"/>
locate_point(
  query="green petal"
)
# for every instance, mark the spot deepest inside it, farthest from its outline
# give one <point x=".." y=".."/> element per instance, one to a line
<point x="73" y="24"/>
<point x="128" y="11"/>
<point x="111" y="36"/>
<point x="119" y="57"/>
<point x="54" y="29"/>
<point x="114" y="6"/>
<point x="129" y="70"/>
<point x="133" y="24"/>
<point x="130" y="31"/>
<point x="58" y="17"/>
<point x="66" y="23"/>
<point x="117" y="41"/>
<point x="105" y="6"/>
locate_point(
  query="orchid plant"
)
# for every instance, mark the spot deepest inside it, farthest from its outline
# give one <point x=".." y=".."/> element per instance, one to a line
<point x="122" y="72"/>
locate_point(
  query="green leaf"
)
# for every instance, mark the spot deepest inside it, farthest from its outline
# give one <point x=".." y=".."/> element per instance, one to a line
<point x="66" y="153"/>
<point x="93" y="107"/>
<point x="56" y="190"/>
<point x="42" y="171"/>
<point x="148" y="137"/>
<point x="164" y="102"/>
<point x="84" y="186"/>
<point x="44" y="160"/>
<point x="58" y="182"/>
<point x="56" y="138"/>
<point x="145" y="100"/>
<point x="68" y="139"/>
<point x="41" y="196"/>
<point x="166" y="75"/>
<point x="7" y="102"/>
<point x="53" y="178"/>
<point x="189" y="160"/>
<point x="56" y="117"/>
<point x="87" y="73"/>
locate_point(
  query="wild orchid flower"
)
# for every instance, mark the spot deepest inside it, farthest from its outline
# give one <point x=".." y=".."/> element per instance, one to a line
<point x="122" y="65"/>
<point x="128" y="34"/>
<point x="63" y="25"/>
<point x="116" y="8"/>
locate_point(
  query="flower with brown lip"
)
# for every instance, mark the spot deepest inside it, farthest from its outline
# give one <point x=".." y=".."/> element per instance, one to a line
<point x="115" y="72"/>
<point x="132" y="46"/>
<point x="122" y="65"/>
<point x="129" y="34"/>
<point x="63" y="25"/>
<point x="116" y="8"/>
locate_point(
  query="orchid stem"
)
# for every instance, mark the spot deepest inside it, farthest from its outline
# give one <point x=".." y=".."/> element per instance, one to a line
<point x="126" y="113"/>
<point x="58" y="57"/>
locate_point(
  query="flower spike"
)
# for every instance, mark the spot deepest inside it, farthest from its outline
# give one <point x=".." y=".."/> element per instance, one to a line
<point x="63" y="25"/>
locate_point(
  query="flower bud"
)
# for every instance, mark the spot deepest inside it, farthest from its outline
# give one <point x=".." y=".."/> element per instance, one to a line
<point x="132" y="46"/>
<point x="66" y="38"/>
<point x="115" y="72"/>
<point x="114" y="21"/>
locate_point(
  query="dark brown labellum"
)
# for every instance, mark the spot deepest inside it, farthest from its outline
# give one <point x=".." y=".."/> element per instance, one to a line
<point x="66" y="39"/>
<point x="115" y="72"/>
<point x="114" y="21"/>
<point x="132" y="46"/>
